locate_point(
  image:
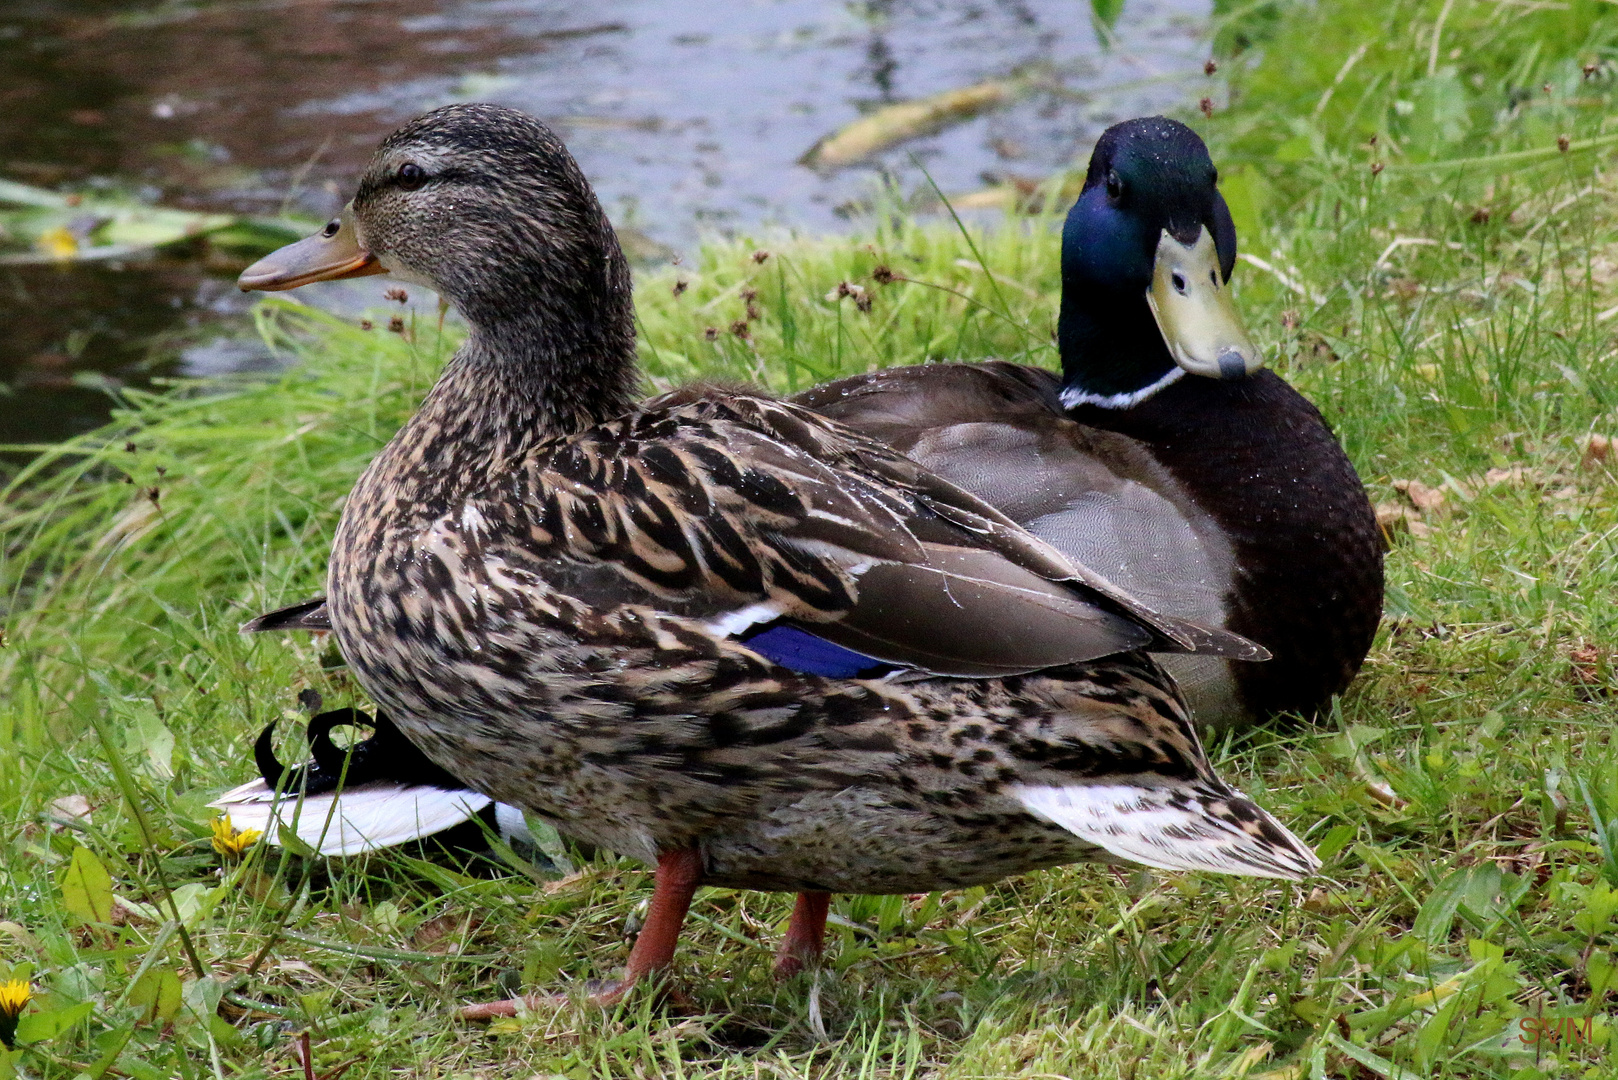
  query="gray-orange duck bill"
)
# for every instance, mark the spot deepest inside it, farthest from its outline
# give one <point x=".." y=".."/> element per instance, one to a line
<point x="334" y="252"/>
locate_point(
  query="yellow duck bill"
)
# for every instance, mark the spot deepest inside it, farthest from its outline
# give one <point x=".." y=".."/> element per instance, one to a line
<point x="1194" y="311"/>
<point x="333" y="252"/>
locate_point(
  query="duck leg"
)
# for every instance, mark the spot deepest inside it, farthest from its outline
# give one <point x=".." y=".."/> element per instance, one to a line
<point x="678" y="875"/>
<point x="805" y="940"/>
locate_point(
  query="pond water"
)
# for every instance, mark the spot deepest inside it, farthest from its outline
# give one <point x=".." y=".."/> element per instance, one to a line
<point x="690" y="118"/>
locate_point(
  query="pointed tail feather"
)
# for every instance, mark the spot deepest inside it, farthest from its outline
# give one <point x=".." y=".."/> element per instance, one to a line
<point x="309" y="615"/>
<point x="1198" y="826"/>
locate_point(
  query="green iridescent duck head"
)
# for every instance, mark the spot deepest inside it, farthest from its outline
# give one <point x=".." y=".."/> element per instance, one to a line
<point x="1147" y="253"/>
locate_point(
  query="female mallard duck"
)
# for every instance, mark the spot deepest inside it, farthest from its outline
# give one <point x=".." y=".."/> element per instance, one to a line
<point x="1223" y="498"/>
<point x="718" y="632"/>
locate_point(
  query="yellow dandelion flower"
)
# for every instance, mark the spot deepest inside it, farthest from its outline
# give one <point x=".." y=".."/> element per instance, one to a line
<point x="58" y="243"/>
<point x="14" y="995"/>
<point x="229" y="842"/>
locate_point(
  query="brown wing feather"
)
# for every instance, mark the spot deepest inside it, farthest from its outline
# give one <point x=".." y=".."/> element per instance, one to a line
<point x="998" y="532"/>
<point x="721" y="502"/>
<point x="911" y="408"/>
<point x="969" y="611"/>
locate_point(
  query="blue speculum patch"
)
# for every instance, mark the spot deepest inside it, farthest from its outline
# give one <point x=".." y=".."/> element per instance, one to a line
<point x="802" y="651"/>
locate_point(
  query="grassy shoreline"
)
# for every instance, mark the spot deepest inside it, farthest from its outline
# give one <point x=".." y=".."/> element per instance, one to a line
<point x="1449" y="312"/>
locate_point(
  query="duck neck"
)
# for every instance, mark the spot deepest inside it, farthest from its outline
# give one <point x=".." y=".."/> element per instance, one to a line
<point x="538" y="365"/>
<point x="1113" y="354"/>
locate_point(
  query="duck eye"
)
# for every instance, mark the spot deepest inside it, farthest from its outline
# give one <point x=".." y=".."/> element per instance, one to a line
<point x="331" y="228"/>
<point x="1115" y="186"/>
<point x="411" y="176"/>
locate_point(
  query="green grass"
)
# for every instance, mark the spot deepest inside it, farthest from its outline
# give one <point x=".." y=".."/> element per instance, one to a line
<point x="1444" y="311"/>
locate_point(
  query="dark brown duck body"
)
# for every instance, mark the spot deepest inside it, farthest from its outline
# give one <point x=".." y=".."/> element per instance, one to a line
<point x="1163" y="456"/>
<point x="1228" y="503"/>
<point x="1259" y="459"/>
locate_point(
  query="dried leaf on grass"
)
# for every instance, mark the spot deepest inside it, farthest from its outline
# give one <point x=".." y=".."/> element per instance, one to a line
<point x="445" y="933"/>
<point x="581" y="877"/>
<point x="69" y="809"/>
<point x="1596" y="452"/>
<point x="1395" y="518"/>
<point x="1516" y="476"/>
<point x="1426" y="499"/>
<point x="1590" y="669"/>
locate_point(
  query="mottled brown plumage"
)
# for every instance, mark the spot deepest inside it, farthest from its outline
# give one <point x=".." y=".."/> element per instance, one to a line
<point x="579" y="606"/>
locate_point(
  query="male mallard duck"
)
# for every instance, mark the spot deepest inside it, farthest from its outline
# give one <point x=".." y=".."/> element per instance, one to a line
<point x="1161" y="456"/>
<point x="375" y="793"/>
<point x="718" y="632"/>
<point x="372" y="794"/>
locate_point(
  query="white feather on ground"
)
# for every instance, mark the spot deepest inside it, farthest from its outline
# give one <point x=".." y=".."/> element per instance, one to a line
<point x="368" y="816"/>
<point x="512" y="826"/>
<point x="1174" y="828"/>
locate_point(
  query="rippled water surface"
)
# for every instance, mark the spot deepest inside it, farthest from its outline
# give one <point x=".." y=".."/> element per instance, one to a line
<point x="689" y="117"/>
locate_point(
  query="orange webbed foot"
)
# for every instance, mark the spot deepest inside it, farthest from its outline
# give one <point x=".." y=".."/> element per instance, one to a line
<point x="678" y="873"/>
